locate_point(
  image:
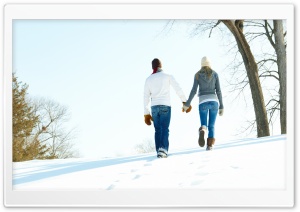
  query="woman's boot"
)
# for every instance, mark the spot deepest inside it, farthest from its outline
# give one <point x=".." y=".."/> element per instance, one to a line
<point x="201" y="139"/>
<point x="210" y="143"/>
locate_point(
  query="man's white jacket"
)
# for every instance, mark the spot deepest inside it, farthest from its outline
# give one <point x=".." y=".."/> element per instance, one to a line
<point x="157" y="87"/>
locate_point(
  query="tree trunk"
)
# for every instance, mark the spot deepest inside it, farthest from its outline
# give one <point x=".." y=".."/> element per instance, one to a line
<point x="281" y="63"/>
<point x="236" y="29"/>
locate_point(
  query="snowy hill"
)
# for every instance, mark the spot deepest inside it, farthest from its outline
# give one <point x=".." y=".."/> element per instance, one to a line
<point x="239" y="164"/>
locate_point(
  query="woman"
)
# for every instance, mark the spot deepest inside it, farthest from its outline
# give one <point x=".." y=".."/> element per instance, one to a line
<point x="210" y="101"/>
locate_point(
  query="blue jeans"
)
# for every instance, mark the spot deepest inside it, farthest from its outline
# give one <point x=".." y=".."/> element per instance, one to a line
<point x="209" y="110"/>
<point x="161" y="116"/>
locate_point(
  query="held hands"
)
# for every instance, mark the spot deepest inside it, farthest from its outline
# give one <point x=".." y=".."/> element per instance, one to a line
<point x="148" y="119"/>
<point x="185" y="108"/>
<point x="221" y="111"/>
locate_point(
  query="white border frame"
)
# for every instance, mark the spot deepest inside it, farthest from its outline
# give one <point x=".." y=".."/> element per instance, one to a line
<point x="147" y="198"/>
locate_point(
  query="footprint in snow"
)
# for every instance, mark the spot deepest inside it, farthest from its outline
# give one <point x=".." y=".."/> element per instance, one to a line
<point x="197" y="182"/>
<point x="200" y="167"/>
<point x="147" y="164"/>
<point x="111" y="187"/>
<point x="201" y="173"/>
<point x="136" y="177"/>
<point x="133" y="170"/>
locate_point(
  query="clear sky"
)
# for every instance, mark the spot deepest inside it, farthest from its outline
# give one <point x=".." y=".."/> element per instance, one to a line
<point x="97" y="68"/>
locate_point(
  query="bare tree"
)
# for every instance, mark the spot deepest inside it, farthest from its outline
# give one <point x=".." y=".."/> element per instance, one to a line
<point x="236" y="28"/>
<point x="281" y="62"/>
<point x="271" y="66"/>
<point x="145" y="147"/>
<point x="51" y="129"/>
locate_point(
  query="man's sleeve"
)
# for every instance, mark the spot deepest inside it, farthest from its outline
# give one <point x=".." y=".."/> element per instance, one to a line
<point x="177" y="89"/>
<point x="147" y="95"/>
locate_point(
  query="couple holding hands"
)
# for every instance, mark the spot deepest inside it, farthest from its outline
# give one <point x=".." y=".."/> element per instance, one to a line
<point x="157" y="88"/>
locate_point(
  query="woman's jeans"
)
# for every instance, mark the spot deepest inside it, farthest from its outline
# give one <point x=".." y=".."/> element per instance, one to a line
<point x="209" y="110"/>
<point x="161" y="116"/>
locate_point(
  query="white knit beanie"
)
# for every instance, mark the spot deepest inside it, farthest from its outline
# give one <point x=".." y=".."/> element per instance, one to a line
<point x="205" y="62"/>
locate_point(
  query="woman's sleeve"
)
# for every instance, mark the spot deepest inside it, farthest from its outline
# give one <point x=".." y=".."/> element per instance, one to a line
<point x="192" y="93"/>
<point x="219" y="92"/>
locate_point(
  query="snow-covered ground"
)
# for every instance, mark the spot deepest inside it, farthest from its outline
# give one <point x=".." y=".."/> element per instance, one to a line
<point x="237" y="164"/>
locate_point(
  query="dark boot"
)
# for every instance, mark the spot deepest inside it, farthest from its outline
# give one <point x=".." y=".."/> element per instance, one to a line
<point x="201" y="139"/>
<point x="210" y="143"/>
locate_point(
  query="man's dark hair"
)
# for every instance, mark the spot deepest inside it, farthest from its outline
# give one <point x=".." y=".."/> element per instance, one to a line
<point x="155" y="63"/>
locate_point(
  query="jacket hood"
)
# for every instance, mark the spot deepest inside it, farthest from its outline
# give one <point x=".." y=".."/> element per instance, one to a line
<point x="204" y="76"/>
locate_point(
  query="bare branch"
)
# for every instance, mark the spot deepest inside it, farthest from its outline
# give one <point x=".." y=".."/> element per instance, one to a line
<point x="269" y="74"/>
<point x="51" y="131"/>
<point x="266" y="60"/>
<point x="214" y="27"/>
<point x="268" y="34"/>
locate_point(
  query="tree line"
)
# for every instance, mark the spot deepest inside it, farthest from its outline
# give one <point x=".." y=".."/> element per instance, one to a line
<point x="39" y="130"/>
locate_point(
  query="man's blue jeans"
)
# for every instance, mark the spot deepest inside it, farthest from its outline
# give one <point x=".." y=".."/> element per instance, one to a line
<point x="161" y="116"/>
<point x="209" y="110"/>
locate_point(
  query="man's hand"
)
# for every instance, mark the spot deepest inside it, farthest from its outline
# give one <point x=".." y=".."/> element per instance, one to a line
<point x="148" y="119"/>
<point x="185" y="108"/>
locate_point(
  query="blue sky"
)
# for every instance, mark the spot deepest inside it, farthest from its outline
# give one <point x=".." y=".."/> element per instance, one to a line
<point x="97" y="68"/>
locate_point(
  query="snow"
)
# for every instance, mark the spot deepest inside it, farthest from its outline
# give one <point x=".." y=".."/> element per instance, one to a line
<point x="253" y="163"/>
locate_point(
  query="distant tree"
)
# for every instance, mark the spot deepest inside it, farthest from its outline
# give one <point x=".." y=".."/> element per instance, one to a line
<point x="24" y="120"/>
<point x="35" y="149"/>
<point x="51" y="129"/>
<point x="38" y="127"/>
<point x="145" y="147"/>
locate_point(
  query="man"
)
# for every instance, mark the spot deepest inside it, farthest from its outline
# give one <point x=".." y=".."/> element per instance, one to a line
<point x="157" y="87"/>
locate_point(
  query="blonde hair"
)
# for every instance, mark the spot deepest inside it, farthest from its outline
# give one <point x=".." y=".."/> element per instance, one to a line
<point x="205" y="69"/>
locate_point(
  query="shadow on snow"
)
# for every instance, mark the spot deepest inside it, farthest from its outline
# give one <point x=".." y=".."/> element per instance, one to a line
<point x="53" y="170"/>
